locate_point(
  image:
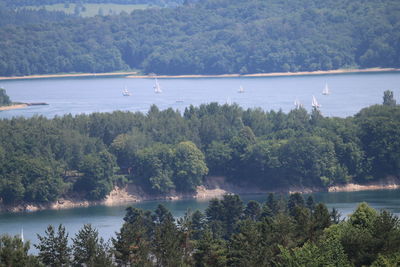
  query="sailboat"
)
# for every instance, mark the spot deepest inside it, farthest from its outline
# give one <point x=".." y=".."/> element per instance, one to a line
<point x="326" y="90"/>
<point x="241" y="90"/>
<point x="297" y="104"/>
<point x="125" y="92"/>
<point x="315" y="103"/>
<point x="22" y="235"/>
<point x="157" y="88"/>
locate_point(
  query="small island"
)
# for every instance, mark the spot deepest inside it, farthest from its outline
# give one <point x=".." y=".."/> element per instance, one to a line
<point x="7" y="104"/>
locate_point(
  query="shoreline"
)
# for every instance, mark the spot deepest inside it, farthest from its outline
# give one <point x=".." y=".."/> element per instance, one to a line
<point x="133" y="75"/>
<point x="17" y="106"/>
<point x="68" y="75"/>
<point x="270" y="74"/>
<point x="132" y="194"/>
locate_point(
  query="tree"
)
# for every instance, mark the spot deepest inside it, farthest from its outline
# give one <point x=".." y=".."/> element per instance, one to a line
<point x="53" y="247"/>
<point x="190" y="167"/>
<point x="90" y="250"/>
<point x="210" y="252"/>
<point x="133" y="243"/>
<point x="252" y="210"/>
<point x="14" y="252"/>
<point x="168" y="241"/>
<point x="388" y="99"/>
<point x="327" y="252"/>
<point x="4" y="99"/>
<point x="98" y="170"/>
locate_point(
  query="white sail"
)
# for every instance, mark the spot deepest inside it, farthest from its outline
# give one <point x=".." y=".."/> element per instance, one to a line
<point x="125" y="92"/>
<point x="241" y="89"/>
<point x="326" y="90"/>
<point x="22" y="235"/>
<point x="157" y="88"/>
<point x="315" y="103"/>
<point x="297" y="104"/>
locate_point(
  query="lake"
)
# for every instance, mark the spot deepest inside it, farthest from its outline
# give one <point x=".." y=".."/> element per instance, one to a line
<point x="349" y="93"/>
<point x="108" y="220"/>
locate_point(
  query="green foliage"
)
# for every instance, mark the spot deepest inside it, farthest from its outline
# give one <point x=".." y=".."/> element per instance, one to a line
<point x="4" y="99"/>
<point x="166" y="152"/>
<point x="53" y="247"/>
<point x="90" y="250"/>
<point x="220" y="37"/>
<point x="154" y="165"/>
<point x="189" y="165"/>
<point x="327" y="252"/>
<point x="304" y="238"/>
<point x="133" y="243"/>
<point x="13" y="252"/>
<point x="98" y="173"/>
<point x="388" y="98"/>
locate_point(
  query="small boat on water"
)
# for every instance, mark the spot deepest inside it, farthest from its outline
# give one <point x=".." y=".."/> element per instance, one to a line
<point x="157" y="88"/>
<point x="326" y="90"/>
<point x="241" y="90"/>
<point x="314" y="103"/>
<point x="125" y="92"/>
<point x="297" y="104"/>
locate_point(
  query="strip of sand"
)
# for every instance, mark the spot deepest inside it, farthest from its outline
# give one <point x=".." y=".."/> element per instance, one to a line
<point x="13" y="107"/>
<point x="71" y="75"/>
<point x="272" y="74"/>
<point x="134" y="74"/>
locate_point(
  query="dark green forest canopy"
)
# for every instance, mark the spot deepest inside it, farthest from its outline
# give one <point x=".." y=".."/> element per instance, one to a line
<point x="165" y="151"/>
<point x="22" y="3"/>
<point x="212" y="37"/>
<point x="281" y="231"/>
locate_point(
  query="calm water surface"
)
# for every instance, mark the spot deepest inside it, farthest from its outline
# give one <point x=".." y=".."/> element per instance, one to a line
<point x="108" y="220"/>
<point x="350" y="93"/>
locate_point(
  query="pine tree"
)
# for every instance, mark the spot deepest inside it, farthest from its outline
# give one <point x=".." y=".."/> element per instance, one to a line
<point x="388" y="98"/>
<point x="168" y="241"/>
<point x="90" y="250"/>
<point x="53" y="247"/>
<point x="133" y="243"/>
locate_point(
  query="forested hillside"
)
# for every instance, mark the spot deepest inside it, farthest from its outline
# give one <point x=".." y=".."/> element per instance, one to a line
<point x="278" y="232"/>
<point x="212" y="37"/>
<point x="165" y="151"/>
<point x="22" y="3"/>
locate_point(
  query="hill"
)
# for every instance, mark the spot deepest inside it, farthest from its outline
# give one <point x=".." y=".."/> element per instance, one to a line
<point x="211" y="37"/>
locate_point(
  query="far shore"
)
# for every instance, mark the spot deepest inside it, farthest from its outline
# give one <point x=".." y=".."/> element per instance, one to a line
<point x="16" y="106"/>
<point x="216" y="188"/>
<point x="68" y="75"/>
<point x="134" y="75"/>
<point x="271" y="74"/>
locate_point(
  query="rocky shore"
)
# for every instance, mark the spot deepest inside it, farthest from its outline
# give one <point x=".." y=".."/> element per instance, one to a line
<point x="214" y="187"/>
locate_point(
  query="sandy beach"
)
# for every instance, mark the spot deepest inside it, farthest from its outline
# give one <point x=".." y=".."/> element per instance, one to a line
<point x="272" y="74"/>
<point x="134" y="75"/>
<point x="71" y="75"/>
<point x="13" y="107"/>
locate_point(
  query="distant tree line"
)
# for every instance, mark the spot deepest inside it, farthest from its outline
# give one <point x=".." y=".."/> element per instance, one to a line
<point x="22" y="3"/>
<point x="211" y="37"/>
<point x="165" y="151"/>
<point x="279" y="232"/>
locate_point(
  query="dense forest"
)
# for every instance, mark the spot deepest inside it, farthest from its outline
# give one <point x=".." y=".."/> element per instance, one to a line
<point x="165" y="152"/>
<point x="23" y="3"/>
<point x="210" y="37"/>
<point x="285" y="232"/>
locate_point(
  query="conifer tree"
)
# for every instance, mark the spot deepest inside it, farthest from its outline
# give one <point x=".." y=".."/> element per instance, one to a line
<point x="53" y="247"/>
<point x="90" y="250"/>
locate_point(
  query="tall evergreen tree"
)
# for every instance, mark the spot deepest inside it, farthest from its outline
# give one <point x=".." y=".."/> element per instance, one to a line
<point x="53" y="247"/>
